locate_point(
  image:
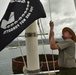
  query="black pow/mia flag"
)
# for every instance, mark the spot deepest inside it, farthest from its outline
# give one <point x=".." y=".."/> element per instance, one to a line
<point x="19" y="15"/>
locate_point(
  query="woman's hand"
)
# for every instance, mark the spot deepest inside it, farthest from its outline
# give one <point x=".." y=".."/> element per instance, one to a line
<point x="53" y="44"/>
<point x="51" y="30"/>
<point x="51" y="25"/>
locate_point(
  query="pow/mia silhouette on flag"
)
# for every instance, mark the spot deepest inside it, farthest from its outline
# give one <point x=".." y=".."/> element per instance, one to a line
<point x="18" y="16"/>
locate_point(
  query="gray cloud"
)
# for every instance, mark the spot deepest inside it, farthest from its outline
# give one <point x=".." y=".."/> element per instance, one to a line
<point x="62" y="5"/>
<point x="65" y="21"/>
<point x="62" y="12"/>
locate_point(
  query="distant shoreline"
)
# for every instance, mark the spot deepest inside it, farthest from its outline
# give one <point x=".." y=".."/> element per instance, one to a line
<point x="23" y="42"/>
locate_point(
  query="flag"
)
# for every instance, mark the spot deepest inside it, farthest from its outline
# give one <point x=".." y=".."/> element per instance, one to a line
<point x="18" y="16"/>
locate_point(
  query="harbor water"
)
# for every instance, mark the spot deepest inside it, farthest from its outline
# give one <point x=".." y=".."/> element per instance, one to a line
<point x="7" y="54"/>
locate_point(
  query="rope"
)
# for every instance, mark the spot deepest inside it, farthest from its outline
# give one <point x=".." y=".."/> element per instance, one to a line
<point x="52" y="50"/>
<point x="42" y="31"/>
<point x="44" y="50"/>
<point x="50" y="9"/>
<point x="51" y="19"/>
<point x="21" y="52"/>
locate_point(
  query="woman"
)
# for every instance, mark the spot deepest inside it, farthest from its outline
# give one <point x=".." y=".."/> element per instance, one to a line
<point x="66" y="48"/>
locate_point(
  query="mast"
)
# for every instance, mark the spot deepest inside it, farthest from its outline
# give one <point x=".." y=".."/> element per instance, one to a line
<point x="32" y="49"/>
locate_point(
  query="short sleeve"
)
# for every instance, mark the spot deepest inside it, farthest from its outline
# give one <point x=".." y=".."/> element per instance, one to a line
<point x="63" y="45"/>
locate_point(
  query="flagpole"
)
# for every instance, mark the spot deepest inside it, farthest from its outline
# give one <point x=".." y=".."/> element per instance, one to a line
<point x="75" y="3"/>
<point x="32" y="49"/>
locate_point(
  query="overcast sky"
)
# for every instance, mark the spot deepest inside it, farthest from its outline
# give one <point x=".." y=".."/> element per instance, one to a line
<point x="62" y="14"/>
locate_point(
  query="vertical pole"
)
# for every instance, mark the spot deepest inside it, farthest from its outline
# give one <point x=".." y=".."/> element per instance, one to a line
<point x="75" y="3"/>
<point x="32" y="48"/>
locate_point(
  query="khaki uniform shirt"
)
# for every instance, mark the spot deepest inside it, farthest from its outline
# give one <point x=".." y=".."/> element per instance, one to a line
<point x="66" y="53"/>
